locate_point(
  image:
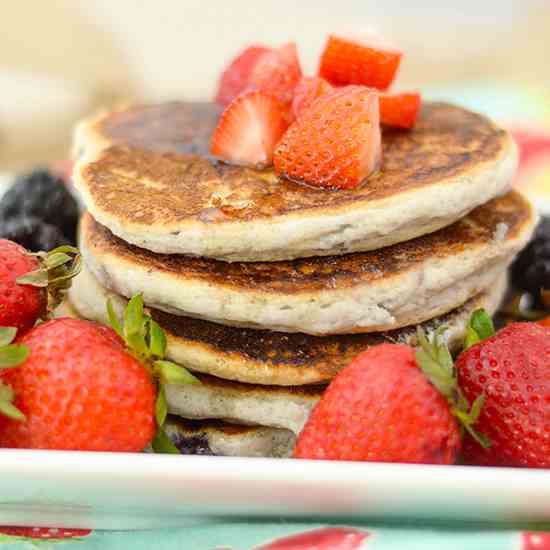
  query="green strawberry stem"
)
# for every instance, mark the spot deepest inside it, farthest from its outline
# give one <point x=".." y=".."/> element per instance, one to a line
<point x="480" y="327"/>
<point x="435" y="360"/>
<point x="162" y="444"/>
<point x="7" y="408"/>
<point x="56" y="270"/>
<point x="11" y="355"/>
<point x="146" y="340"/>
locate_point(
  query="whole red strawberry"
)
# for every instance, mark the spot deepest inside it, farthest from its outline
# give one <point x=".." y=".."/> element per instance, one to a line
<point x="20" y="305"/>
<point x="511" y="369"/>
<point x="307" y="91"/>
<point x="335" y="143"/>
<point x="234" y="79"/>
<point x="381" y="408"/>
<point x="79" y="390"/>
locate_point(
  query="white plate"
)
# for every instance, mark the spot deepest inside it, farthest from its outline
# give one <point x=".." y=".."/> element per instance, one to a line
<point x="123" y="491"/>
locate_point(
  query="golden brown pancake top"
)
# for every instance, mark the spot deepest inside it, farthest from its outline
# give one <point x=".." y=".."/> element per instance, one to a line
<point x="317" y="274"/>
<point x="157" y="170"/>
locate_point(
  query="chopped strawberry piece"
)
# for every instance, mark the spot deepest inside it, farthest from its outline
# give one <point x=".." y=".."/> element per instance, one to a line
<point x="235" y="77"/>
<point x="366" y="61"/>
<point x="334" y="143"/>
<point x="307" y="91"/>
<point x="249" y="129"/>
<point x="277" y="72"/>
<point x="400" y="110"/>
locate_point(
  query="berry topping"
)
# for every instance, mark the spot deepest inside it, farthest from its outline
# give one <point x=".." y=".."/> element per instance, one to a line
<point x="43" y="196"/>
<point x="234" y="79"/>
<point x="11" y="355"/>
<point x="307" y="91"/>
<point x="511" y="370"/>
<point x="381" y="408"/>
<point x="336" y="142"/>
<point x="249" y="129"/>
<point x="400" y="110"/>
<point x="531" y="270"/>
<point x="20" y="305"/>
<point x="366" y="61"/>
<point x="78" y="385"/>
<point x="277" y="72"/>
<point x="32" y="233"/>
<point x="78" y="391"/>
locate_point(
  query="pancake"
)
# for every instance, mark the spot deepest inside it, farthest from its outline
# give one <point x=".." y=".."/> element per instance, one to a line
<point x="219" y="438"/>
<point x="266" y="357"/>
<point x="144" y="172"/>
<point x="283" y="407"/>
<point x="397" y="286"/>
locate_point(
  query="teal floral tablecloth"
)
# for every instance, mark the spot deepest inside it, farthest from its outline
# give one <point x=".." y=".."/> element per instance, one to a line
<point x="533" y="134"/>
<point x="281" y="535"/>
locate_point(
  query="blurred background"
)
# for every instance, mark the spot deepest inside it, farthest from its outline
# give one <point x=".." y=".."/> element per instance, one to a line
<point x="62" y="59"/>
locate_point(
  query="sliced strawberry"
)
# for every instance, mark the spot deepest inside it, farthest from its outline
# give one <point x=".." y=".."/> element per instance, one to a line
<point x="235" y="77"/>
<point x="400" y="110"/>
<point x="307" y="91"/>
<point x="336" y="142"/>
<point x="367" y="61"/>
<point x="277" y="72"/>
<point x="249" y="129"/>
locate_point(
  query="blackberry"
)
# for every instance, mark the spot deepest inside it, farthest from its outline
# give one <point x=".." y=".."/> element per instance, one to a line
<point x="40" y="194"/>
<point x="32" y="233"/>
<point x="531" y="270"/>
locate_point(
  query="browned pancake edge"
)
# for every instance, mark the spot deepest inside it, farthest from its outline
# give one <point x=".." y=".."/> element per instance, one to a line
<point x="475" y="232"/>
<point x="157" y="171"/>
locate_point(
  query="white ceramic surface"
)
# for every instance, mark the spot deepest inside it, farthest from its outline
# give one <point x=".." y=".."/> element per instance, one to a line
<point x="122" y="491"/>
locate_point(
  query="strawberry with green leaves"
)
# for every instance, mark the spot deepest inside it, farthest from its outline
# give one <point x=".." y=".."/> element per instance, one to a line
<point x="32" y="284"/>
<point x="79" y="385"/>
<point x="394" y="404"/>
<point x="11" y="355"/>
<point x="147" y="342"/>
<point x="511" y="369"/>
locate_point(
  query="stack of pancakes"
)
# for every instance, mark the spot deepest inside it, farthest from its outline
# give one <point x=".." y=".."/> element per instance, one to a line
<point x="267" y="288"/>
